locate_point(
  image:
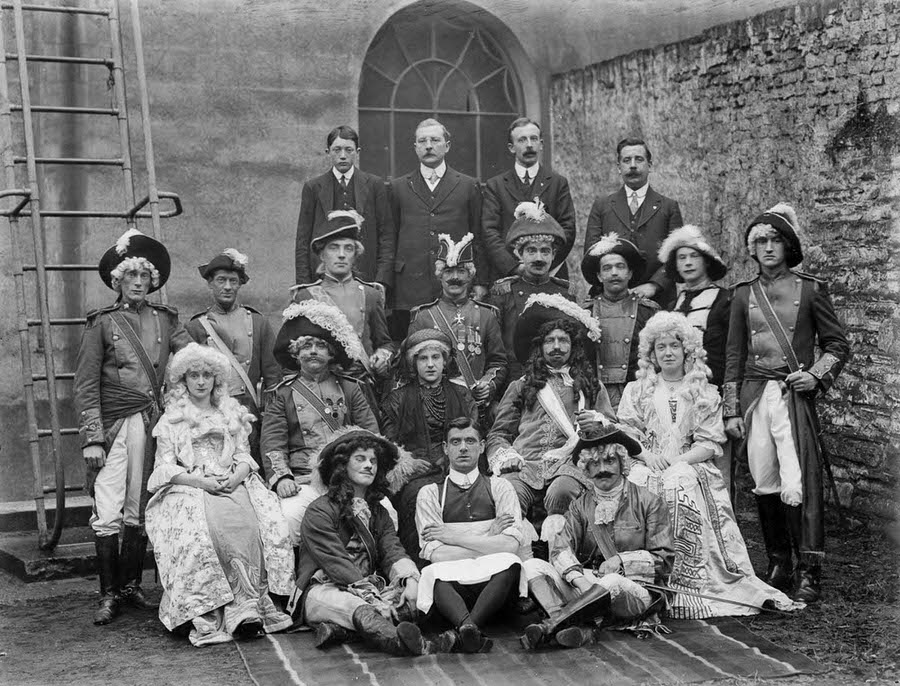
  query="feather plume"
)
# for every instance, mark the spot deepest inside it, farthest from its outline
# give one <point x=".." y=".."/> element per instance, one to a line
<point x="125" y="239"/>
<point x="604" y="245"/>
<point x="534" y="211"/>
<point x="239" y="258"/>
<point x="788" y="213"/>
<point x="331" y="319"/>
<point x="454" y="249"/>
<point x="567" y="307"/>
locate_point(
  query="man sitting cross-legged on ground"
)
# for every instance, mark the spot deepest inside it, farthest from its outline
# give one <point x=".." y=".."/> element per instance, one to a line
<point x="615" y="536"/>
<point x="470" y="529"/>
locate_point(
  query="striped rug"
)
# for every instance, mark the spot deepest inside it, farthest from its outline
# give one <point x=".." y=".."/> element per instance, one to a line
<point x="696" y="650"/>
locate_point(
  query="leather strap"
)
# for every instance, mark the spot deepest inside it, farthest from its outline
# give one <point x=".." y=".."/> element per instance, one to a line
<point x="299" y="387"/>
<point x="139" y="350"/>
<point x="232" y="360"/>
<point x="775" y="325"/>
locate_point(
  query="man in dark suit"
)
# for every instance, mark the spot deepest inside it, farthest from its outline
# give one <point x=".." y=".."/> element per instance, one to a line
<point x="345" y="187"/>
<point x="526" y="181"/>
<point x="638" y="214"/>
<point x="431" y="200"/>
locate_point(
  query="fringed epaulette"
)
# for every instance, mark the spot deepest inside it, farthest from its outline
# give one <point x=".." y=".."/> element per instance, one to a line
<point x="504" y="285"/>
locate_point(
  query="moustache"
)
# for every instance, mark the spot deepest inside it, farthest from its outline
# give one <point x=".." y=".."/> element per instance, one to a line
<point x="539" y="264"/>
<point x="454" y="282"/>
<point x="603" y="475"/>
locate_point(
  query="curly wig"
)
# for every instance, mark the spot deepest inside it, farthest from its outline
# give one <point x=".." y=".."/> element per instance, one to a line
<point x="537" y="373"/>
<point x="588" y="457"/>
<point x="340" y="488"/>
<point x="133" y="264"/>
<point x="697" y="389"/>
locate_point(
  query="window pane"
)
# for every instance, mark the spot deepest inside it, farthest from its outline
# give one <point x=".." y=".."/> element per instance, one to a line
<point x="412" y="92"/>
<point x="450" y="40"/>
<point x="414" y="35"/>
<point x="462" y="153"/>
<point x="434" y="73"/>
<point x="477" y="63"/>
<point x="375" y="143"/>
<point x="374" y="89"/>
<point x="492" y="95"/>
<point x="405" y="159"/>
<point x="385" y="55"/>
<point x="456" y="94"/>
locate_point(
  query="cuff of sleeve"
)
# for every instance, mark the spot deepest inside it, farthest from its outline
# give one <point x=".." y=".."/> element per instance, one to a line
<point x="280" y="468"/>
<point x="428" y="550"/>
<point x="638" y="565"/>
<point x="823" y="370"/>
<point x="500" y="456"/>
<point x="90" y="427"/>
<point x="162" y="476"/>
<point x="565" y="561"/>
<point x="404" y="568"/>
<point x="731" y="405"/>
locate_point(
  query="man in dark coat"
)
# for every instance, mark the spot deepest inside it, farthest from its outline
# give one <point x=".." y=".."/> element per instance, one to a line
<point x="526" y="181"/>
<point x="639" y="214"/>
<point x="429" y="201"/>
<point x="346" y="187"/>
<point x="772" y="378"/>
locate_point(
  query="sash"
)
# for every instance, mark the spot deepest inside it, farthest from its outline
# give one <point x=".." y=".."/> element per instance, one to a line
<point x="775" y="325"/>
<point x="603" y="540"/>
<point x="553" y="406"/>
<point x="460" y="355"/>
<point x="135" y="342"/>
<point x="319" y="293"/>
<point x="299" y="388"/>
<point x="232" y="360"/>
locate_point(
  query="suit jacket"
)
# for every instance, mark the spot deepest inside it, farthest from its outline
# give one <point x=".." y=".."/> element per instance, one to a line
<point x="420" y="215"/>
<point x="657" y="216"/>
<point x="502" y="194"/>
<point x="317" y="200"/>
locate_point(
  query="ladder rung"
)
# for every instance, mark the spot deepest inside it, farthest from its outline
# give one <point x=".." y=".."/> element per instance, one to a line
<point x="60" y="376"/>
<point x="62" y="9"/>
<point x="63" y="59"/>
<point x="95" y="161"/>
<point x="68" y="110"/>
<point x="52" y="489"/>
<point x="43" y="433"/>
<point x="89" y="214"/>
<point x="59" y="321"/>
<point x="61" y="267"/>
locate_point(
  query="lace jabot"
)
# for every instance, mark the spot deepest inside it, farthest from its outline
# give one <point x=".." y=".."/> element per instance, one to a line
<point x="361" y="510"/>
<point x="608" y="503"/>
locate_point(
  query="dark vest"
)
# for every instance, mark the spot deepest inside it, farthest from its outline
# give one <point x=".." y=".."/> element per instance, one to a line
<point x="473" y="505"/>
<point x="344" y="199"/>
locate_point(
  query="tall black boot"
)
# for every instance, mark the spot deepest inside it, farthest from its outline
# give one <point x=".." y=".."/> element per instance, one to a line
<point x="380" y="633"/>
<point x="134" y="549"/>
<point x="108" y="569"/>
<point x="591" y="604"/>
<point x="809" y="570"/>
<point x="777" y="540"/>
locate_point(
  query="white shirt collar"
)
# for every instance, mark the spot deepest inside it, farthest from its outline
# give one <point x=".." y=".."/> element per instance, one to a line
<point x="532" y="170"/>
<point x="641" y="192"/>
<point x="338" y="175"/>
<point x="463" y="480"/>
<point x="440" y="170"/>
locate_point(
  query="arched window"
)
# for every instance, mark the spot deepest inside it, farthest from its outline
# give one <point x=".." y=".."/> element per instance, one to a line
<point x="437" y="64"/>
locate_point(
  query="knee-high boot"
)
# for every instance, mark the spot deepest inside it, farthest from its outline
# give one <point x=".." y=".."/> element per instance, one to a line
<point x="108" y="570"/>
<point x="593" y="603"/>
<point x="380" y="633"/>
<point x="134" y="549"/>
<point x="809" y="570"/>
<point x="774" y="524"/>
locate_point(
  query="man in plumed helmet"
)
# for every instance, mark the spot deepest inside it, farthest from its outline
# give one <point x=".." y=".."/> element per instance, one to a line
<point x="772" y="378"/>
<point x="611" y="267"/>
<point x="535" y="238"/>
<point x="118" y="379"/>
<point x="239" y="332"/>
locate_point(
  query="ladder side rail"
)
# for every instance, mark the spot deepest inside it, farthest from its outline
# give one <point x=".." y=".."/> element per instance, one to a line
<point x="37" y="230"/>
<point x="117" y="74"/>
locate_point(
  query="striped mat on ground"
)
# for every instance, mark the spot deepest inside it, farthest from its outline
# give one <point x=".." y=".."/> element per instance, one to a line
<point x="696" y="650"/>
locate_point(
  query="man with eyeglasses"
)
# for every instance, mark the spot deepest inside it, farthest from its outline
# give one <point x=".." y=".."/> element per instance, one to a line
<point x="429" y="201"/>
<point x="346" y="187"/>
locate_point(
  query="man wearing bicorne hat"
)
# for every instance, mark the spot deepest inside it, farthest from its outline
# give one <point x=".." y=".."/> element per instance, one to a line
<point x="239" y="332"/>
<point x="535" y="238"/>
<point x="337" y="245"/>
<point x="772" y="378"/>
<point x="538" y="418"/>
<point x="118" y="380"/>
<point x="471" y="325"/>
<point x="611" y="267"/>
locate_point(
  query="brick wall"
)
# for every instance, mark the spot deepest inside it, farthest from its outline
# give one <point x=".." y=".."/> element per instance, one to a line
<point x="799" y="105"/>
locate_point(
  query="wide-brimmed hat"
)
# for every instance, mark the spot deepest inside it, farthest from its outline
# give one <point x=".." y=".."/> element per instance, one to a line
<point x="783" y="219"/>
<point x="325" y="461"/>
<point x="454" y="253"/>
<point x="541" y="308"/>
<point x="690" y="236"/>
<point x="133" y="243"/>
<point x="320" y="320"/>
<point x="338" y="224"/>
<point x="612" y="244"/>
<point x="532" y="221"/>
<point x="607" y="435"/>
<point x="230" y="260"/>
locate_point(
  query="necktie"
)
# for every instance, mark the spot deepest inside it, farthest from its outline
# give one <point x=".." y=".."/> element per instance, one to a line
<point x="633" y="203"/>
<point x="343" y="182"/>
<point x="434" y="178"/>
<point x="526" y="181"/>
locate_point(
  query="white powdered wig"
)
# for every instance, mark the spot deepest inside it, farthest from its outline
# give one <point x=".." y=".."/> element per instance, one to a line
<point x="133" y="264"/>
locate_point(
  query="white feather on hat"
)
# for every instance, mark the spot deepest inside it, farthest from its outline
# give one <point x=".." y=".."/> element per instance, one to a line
<point x="555" y="301"/>
<point x="239" y="258"/>
<point x="788" y="213"/>
<point x="125" y="239"/>
<point x="688" y="236"/>
<point x="530" y="210"/>
<point x="352" y="215"/>
<point x="331" y="319"/>
<point x="606" y="244"/>
<point x="454" y="250"/>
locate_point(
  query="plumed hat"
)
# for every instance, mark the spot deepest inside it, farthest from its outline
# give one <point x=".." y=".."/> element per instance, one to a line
<point x="454" y="253"/>
<point x="320" y="320"/>
<point x="541" y="308"/>
<point x="325" y="462"/>
<point x="229" y="259"/>
<point x="783" y="219"/>
<point x="339" y="224"/>
<point x="532" y="221"/>
<point x="611" y="243"/>
<point x="690" y="236"/>
<point x="133" y="243"/>
<point x="608" y="435"/>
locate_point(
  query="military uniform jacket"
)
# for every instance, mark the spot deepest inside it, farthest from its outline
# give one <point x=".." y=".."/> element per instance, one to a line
<point x="109" y="376"/>
<point x="655" y="219"/>
<point x="620" y="323"/>
<point x="802" y="305"/>
<point x="502" y="194"/>
<point x="476" y="329"/>
<point x="420" y="215"/>
<point x="257" y="336"/>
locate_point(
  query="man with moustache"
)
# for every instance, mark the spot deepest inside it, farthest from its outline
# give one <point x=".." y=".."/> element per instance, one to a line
<point x="346" y="187"/>
<point x="639" y="214"/>
<point x="535" y="238"/>
<point x="610" y="267"/>
<point x="429" y="201"/>
<point x="527" y="181"/>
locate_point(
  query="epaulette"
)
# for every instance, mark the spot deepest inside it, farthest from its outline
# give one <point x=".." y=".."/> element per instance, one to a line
<point x="746" y="282"/>
<point x="251" y="309"/>
<point x="289" y="379"/>
<point x="371" y="284"/>
<point x="298" y="286"/>
<point x="560" y="282"/>
<point x="504" y="285"/>
<point x="199" y="314"/>
<point x="164" y="308"/>
<point x="347" y="377"/>
<point x="811" y="277"/>
<point x="652" y="304"/>
<point x="100" y="310"/>
<point x="424" y="305"/>
<point x="487" y="306"/>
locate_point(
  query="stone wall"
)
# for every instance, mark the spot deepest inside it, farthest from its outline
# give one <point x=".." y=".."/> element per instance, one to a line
<point x="799" y="105"/>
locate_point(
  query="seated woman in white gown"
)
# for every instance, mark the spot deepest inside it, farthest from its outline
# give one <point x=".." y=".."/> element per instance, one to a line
<point x="220" y="540"/>
<point x="676" y="415"/>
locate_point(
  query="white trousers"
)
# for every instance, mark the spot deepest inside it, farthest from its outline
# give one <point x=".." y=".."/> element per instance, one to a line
<point x="117" y="490"/>
<point x="771" y="453"/>
<point x="294" y="509"/>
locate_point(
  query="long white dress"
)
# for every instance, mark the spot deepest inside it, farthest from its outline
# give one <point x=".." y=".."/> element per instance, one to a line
<point x="710" y="554"/>
<point x="218" y="556"/>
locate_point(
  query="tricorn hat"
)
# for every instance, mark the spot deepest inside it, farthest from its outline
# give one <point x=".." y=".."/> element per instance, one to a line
<point x="612" y="244"/>
<point x="541" y="308"/>
<point x="608" y="434"/>
<point x="783" y="219"/>
<point x="690" y="236"/>
<point x="453" y="253"/>
<point x="339" y="224"/>
<point x="532" y="221"/>
<point x="133" y="243"/>
<point x="320" y="320"/>
<point x="229" y="259"/>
